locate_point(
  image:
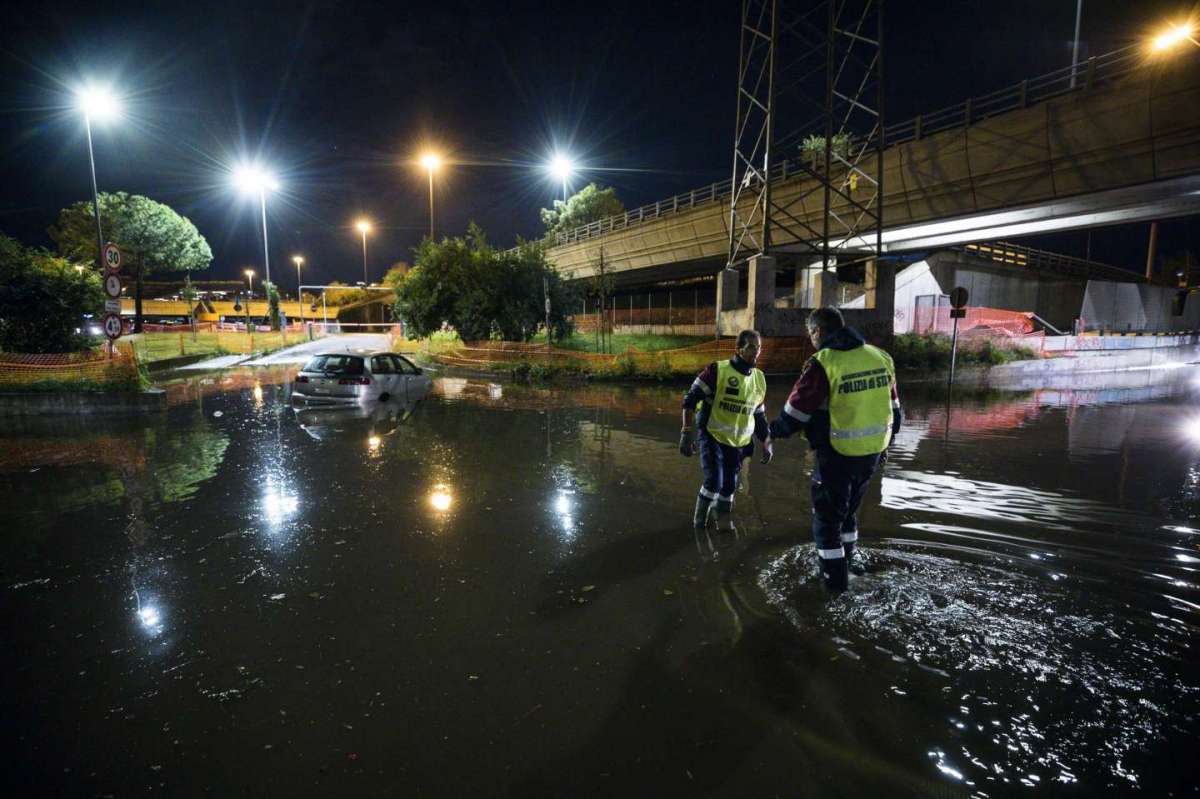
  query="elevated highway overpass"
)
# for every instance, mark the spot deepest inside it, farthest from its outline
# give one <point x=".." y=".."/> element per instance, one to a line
<point x="1039" y="157"/>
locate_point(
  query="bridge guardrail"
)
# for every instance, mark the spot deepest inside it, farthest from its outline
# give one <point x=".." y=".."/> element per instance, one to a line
<point x="1006" y="252"/>
<point x="1099" y="69"/>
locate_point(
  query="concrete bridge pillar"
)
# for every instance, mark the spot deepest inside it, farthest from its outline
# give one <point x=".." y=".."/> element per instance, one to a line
<point x="881" y="296"/>
<point x="760" y="301"/>
<point x="727" y="290"/>
<point x="815" y="287"/>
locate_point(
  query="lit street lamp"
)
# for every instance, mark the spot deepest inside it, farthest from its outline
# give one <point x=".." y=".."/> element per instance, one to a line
<point x="98" y="103"/>
<point x="364" y="227"/>
<point x="256" y="180"/>
<point x="431" y="162"/>
<point x="298" y="260"/>
<point x="249" y="273"/>
<point x="561" y="168"/>
<point x="1176" y="34"/>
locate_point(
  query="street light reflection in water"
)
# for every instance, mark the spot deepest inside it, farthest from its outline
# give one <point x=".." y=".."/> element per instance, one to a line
<point x="441" y="499"/>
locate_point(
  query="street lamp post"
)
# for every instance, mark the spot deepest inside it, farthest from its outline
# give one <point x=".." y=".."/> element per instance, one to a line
<point x="249" y="273"/>
<point x="364" y="227"/>
<point x="431" y="162"/>
<point x="256" y="180"/>
<point x="99" y="103"/>
<point x="298" y="260"/>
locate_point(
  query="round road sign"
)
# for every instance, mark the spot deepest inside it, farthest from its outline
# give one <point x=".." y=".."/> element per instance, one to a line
<point x="112" y="257"/>
<point x="112" y="326"/>
<point x="958" y="297"/>
<point x="112" y="286"/>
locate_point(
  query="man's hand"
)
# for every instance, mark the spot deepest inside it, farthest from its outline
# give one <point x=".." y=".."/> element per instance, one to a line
<point x="687" y="442"/>
<point x="768" y="451"/>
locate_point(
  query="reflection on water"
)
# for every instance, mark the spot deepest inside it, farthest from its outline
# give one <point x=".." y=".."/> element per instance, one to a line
<point x="1027" y="621"/>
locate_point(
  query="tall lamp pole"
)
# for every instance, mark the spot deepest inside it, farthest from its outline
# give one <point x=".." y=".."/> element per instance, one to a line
<point x="256" y="180"/>
<point x="262" y="202"/>
<point x="1075" y="46"/>
<point x="432" y="162"/>
<point x="364" y="227"/>
<point x="249" y="296"/>
<point x="101" y="104"/>
<point x="298" y="260"/>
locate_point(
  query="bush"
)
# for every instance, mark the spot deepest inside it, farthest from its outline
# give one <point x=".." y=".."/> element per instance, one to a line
<point x="932" y="352"/>
<point x="43" y="300"/>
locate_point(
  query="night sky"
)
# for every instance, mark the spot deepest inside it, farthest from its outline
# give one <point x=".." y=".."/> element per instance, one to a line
<point x="340" y="97"/>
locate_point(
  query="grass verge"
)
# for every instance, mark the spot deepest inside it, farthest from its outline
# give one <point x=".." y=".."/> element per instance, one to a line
<point x="621" y="342"/>
<point x="913" y="351"/>
<point x="152" y="347"/>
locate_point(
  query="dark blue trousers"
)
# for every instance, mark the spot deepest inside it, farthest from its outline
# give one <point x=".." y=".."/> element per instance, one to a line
<point x="721" y="464"/>
<point x="839" y="483"/>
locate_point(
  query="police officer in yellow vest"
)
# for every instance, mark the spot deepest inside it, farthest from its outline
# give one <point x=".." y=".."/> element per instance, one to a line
<point x="727" y="400"/>
<point x="847" y="404"/>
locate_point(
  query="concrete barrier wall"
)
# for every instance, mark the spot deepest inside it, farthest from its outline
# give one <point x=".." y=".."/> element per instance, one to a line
<point x="1109" y="306"/>
<point x="1102" y="361"/>
<point x="72" y="403"/>
<point x="1084" y="346"/>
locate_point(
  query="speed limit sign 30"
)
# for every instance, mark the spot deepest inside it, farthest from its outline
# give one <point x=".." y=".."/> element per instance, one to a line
<point x="112" y="257"/>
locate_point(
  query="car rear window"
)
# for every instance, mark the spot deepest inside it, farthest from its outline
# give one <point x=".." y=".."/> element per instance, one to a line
<point x="336" y="365"/>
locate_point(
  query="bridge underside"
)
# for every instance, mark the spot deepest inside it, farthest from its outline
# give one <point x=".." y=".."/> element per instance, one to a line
<point x="1122" y="154"/>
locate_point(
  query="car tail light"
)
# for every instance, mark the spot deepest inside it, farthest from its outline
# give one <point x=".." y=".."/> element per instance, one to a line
<point x="355" y="381"/>
<point x="301" y="379"/>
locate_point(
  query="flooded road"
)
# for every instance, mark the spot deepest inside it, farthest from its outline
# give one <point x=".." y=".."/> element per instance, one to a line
<point x="497" y="591"/>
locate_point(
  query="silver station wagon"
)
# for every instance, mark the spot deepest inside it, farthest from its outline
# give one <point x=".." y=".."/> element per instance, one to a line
<point x="356" y="377"/>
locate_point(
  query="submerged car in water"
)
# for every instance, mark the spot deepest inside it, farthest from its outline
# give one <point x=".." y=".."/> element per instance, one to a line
<point x="358" y="377"/>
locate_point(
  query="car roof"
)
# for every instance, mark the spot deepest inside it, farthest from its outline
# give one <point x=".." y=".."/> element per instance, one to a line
<point x="356" y="353"/>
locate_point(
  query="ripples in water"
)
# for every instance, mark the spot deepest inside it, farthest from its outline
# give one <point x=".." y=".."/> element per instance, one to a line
<point x="1040" y="680"/>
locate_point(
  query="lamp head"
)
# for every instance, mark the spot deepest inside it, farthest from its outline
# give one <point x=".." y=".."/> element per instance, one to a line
<point x="431" y="162"/>
<point x="1174" y="35"/>
<point x="98" y="103"/>
<point x="253" y="179"/>
<point x="561" y="167"/>
<point x="297" y="259"/>
<point x="362" y="226"/>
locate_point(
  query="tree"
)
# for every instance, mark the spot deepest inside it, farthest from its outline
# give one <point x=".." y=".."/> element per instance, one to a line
<point x="43" y="300"/>
<point x="152" y="236"/>
<point x="189" y="296"/>
<point x="395" y="276"/>
<point x="466" y="283"/>
<point x="336" y="295"/>
<point x="814" y="147"/>
<point x="273" y="306"/>
<point x="589" y="204"/>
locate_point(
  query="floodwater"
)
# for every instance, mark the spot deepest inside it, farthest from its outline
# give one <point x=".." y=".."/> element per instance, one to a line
<point x="497" y="591"/>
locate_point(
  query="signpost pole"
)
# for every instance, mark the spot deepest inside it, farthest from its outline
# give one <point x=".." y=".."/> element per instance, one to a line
<point x="953" y="354"/>
<point x="110" y="262"/>
<point x="958" y="303"/>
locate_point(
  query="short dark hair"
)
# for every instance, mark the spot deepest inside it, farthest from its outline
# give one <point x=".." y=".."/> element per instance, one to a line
<point x="744" y="338"/>
<point x="827" y="319"/>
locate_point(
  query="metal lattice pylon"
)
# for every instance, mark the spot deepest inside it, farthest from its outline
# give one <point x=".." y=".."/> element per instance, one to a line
<point x="809" y="131"/>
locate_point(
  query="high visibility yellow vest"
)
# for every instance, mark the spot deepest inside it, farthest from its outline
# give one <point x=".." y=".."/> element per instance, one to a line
<point x="731" y="420"/>
<point x="860" y="398"/>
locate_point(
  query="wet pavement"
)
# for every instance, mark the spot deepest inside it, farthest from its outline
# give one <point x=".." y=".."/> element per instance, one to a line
<point x="497" y="591"/>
